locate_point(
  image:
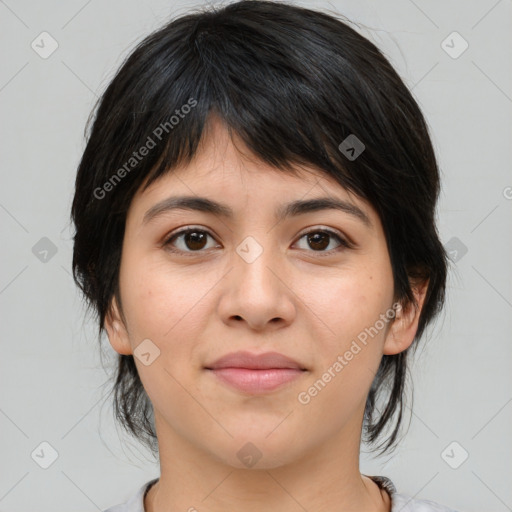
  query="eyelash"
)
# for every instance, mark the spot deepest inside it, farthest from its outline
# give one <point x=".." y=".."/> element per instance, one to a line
<point x="343" y="243"/>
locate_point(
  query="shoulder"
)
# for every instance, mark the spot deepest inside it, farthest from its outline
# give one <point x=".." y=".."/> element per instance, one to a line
<point x="404" y="503"/>
<point x="136" y="502"/>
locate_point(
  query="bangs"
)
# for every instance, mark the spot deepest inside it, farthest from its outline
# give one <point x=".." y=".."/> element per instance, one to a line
<point x="291" y="99"/>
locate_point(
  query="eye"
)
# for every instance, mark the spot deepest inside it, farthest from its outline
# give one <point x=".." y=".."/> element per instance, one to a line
<point x="320" y="239"/>
<point x="190" y="240"/>
<point x="193" y="239"/>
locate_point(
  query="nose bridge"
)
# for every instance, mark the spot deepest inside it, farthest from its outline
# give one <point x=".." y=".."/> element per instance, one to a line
<point x="254" y="257"/>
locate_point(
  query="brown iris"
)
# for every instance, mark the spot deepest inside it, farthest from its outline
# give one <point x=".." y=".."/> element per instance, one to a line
<point x="318" y="240"/>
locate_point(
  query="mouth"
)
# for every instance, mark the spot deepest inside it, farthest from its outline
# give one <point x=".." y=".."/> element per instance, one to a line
<point x="256" y="373"/>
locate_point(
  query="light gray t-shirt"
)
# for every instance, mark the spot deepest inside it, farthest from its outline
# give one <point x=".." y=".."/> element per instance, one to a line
<point x="399" y="502"/>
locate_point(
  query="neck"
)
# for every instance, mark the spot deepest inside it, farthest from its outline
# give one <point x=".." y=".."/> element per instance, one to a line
<point x="325" y="479"/>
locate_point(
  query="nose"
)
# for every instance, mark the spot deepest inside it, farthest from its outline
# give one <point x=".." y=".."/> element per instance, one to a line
<point x="258" y="289"/>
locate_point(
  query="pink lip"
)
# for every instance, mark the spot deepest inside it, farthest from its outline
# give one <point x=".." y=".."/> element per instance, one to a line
<point x="256" y="381"/>
<point x="256" y="373"/>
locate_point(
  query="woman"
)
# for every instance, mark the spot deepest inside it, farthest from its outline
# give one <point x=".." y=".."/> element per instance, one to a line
<point x="255" y="228"/>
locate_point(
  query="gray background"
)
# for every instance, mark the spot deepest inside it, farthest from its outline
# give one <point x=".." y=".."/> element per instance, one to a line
<point x="51" y="374"/>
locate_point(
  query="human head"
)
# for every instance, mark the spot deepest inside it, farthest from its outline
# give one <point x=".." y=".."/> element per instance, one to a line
<point x="292" y="84"/>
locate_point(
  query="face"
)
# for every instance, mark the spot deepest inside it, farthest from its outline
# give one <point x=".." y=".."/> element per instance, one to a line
<point x="314" y="286"/>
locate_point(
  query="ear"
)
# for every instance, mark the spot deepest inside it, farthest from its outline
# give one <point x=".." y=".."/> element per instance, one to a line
<point x="405" y="324"/>
<point x="116" y="330"/>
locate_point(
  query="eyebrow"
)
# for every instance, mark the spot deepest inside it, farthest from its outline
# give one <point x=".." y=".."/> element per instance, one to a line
<point x="203" y="204"/>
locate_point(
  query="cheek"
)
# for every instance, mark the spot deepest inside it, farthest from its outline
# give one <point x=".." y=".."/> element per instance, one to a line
<point x="159" y="300"/>
<point x="351" y="332"/>
<point x="347" y="361"/>
<point x="167" y="307"/>
<point x="349" y="302"/>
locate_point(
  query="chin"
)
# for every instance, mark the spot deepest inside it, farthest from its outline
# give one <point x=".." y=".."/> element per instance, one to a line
<point x="253" y="448"/>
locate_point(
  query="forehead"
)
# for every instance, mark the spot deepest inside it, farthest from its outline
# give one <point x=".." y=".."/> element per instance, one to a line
<point x="222" y="156"/>
<point x="226" y="171"/>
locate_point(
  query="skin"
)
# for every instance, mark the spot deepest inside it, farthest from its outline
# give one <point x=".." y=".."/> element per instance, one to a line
<point x="292" y="300"/>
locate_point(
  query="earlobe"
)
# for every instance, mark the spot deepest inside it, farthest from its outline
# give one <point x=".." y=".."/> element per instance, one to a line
<point x="116" y="330"/>
<point x="405" y="324"/>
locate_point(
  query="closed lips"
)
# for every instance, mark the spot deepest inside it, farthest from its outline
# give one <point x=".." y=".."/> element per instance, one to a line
<point x="265" y="361"/>
<point x="255" y="374"/>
